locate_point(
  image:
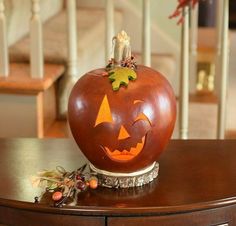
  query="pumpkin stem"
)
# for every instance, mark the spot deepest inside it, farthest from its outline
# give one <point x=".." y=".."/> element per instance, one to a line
<point x="122" y="49"/>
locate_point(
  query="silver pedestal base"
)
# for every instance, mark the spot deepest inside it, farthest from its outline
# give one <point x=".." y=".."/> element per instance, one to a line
<point x="126" y="180"/>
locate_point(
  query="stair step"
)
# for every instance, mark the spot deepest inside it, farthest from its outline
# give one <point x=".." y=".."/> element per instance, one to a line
<point x="207" y="44"/>
<point x="28" y="105"/>
<point x="230" y="134"/>
<point x="91" y="39"/>
<point x="202" y="121"/>
<point x="207" y="98"/>
<point x="164" y="63"/>
<point x="207" y="38"/>
<point x="59" y="129"/>
<point x="20" y="81"/>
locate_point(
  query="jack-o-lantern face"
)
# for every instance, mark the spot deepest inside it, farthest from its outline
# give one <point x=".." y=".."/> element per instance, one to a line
<point x="125" y="130"/>
<point x="105" y="116"/>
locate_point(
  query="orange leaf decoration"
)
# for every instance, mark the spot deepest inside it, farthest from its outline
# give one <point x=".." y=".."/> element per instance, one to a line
<point x="180" y="6"/>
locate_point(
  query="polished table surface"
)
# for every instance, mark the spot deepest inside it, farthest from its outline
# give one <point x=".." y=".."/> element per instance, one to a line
<point x="194" y="175"/>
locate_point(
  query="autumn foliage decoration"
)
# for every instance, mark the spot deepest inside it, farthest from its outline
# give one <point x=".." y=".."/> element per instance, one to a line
<point x="178" y="11"/>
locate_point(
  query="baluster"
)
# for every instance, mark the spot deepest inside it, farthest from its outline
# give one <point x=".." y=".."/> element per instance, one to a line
<point x="72" y="39"/>
<point x="219" y="19"/>
<point x="146" y="36"/>
<point x="109" y="28"/>
<point x="36" y="42"/>
<point x="4" y="60"/>
<point x="224" y="70"/>
<point x="70" y="78"/>
<point x="184" y="77"/>
<point x="193" y="47"/>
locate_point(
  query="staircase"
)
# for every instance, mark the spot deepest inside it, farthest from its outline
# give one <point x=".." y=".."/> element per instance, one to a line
<point x="91" y="39"/>
<point x="40" y="98"/>
<point x="91" y="54"/>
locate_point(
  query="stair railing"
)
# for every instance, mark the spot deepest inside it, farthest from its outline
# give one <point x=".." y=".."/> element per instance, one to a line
<point x="221" y="69"/>
<point x="146" y="34"/>
<point x="110" y="33"/>
<point x="71" y="76"/>
<point x="184" y="77"/>
<point x="72" y="39"/>
<point x="223" y="53"/>
<point x="36" y="42"/>
<point x="193" y="46"/>
<point x="187" y="49"/>
<point x="4" y="59"/>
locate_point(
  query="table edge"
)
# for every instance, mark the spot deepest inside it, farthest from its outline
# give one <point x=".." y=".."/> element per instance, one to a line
<point x="112" y="211"/>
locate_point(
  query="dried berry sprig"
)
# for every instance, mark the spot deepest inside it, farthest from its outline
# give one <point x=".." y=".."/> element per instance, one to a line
<point x="64" y="184"/>
<point x="129" y="62"/>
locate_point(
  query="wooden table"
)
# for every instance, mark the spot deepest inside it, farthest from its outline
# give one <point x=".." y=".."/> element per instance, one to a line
<point x="196" y="186"/>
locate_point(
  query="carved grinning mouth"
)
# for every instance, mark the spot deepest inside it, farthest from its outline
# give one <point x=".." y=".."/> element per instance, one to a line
<point x="125" y="155"/>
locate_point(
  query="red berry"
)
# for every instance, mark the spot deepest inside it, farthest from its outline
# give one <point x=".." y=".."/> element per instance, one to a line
<point x="78" y="177"/>
<point x="56" y="195"/>
<point x="93" y="183"/>
<point x="81" y="185"/>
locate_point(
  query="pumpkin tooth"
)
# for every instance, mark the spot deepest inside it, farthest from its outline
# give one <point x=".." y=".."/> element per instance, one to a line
<point x="116" y="152"/>
<point x="133" y="151"/>
<point x="125" y="154"/>
<point x="139" y="146"/>
<point x="143" y="139"/>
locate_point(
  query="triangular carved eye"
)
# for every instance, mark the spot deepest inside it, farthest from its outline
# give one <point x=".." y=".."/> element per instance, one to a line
<point x="104" y="113"/>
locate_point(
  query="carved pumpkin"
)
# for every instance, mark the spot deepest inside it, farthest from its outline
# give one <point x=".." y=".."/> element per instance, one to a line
<point x="125" y="130"/>
<point x="121" y="125"/>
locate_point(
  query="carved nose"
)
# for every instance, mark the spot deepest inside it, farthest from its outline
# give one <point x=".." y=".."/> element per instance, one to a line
<point x="123" y="134"/>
